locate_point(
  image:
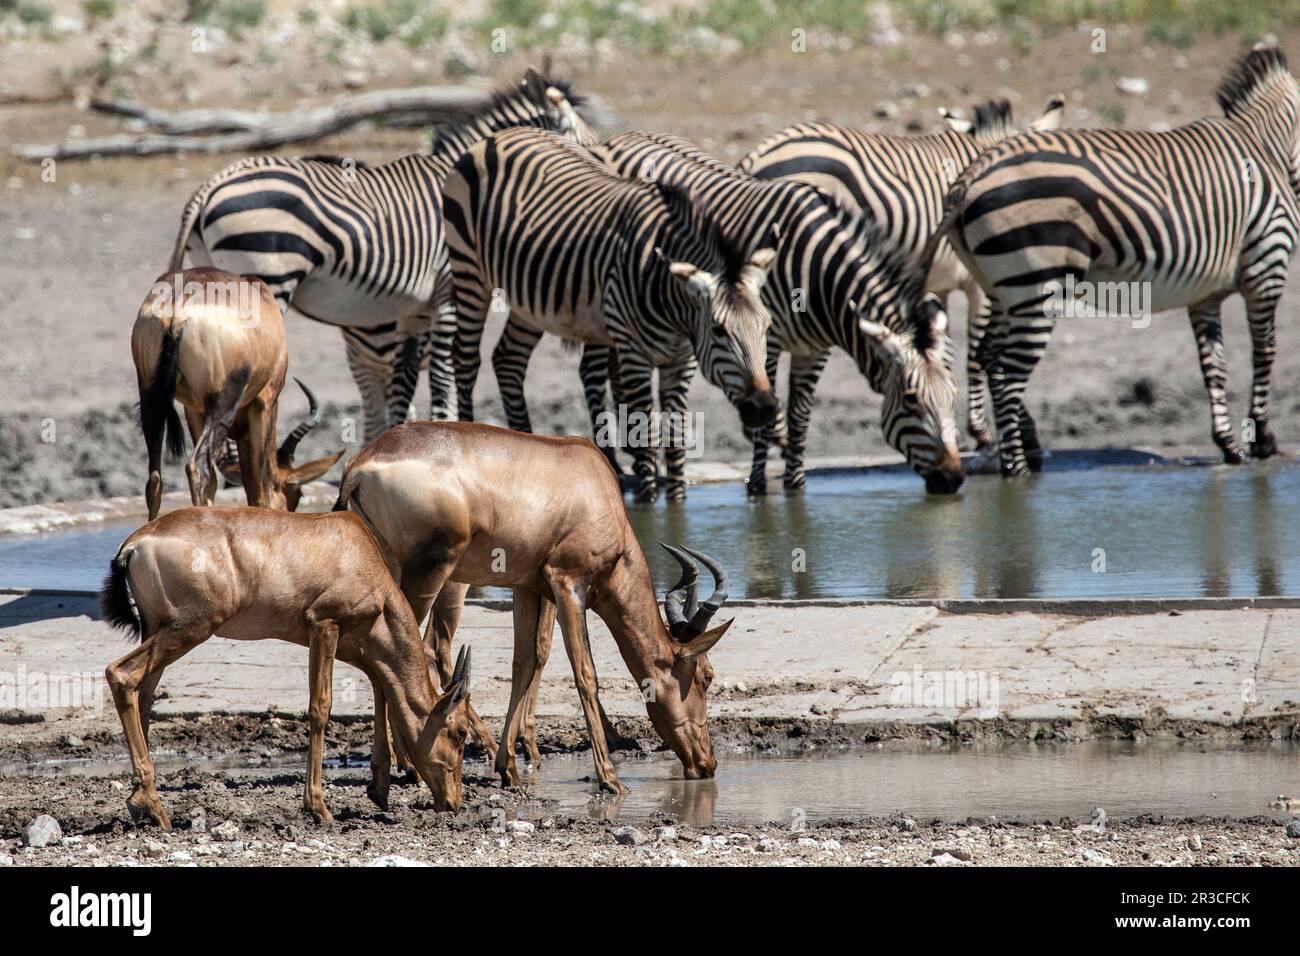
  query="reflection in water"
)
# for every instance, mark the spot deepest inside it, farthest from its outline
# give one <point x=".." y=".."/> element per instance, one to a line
<point x="1165" y="531"/>
<point x="1011" y="780"/>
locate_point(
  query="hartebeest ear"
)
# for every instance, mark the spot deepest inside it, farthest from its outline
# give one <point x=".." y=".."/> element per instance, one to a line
<point x="229" y="468"/>
<point x="313" y="469"/>
<point x="702" y="644"/>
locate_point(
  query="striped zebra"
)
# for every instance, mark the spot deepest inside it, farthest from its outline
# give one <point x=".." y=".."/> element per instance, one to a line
<point x="835" y="282"/>
<point x="900" y="183"/>
<point x="541" y="228"/>
<point x="362" y="247"/>
<point x="1179" y="218"/>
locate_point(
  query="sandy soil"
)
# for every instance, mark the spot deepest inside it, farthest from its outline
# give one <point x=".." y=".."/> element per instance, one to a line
<point x="234" y="819"/>
<point x="81" y="252"/>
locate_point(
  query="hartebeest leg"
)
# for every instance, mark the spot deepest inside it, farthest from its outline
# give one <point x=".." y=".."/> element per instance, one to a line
<point x="542" y="642"/>
<point x="218" y="418"/>
<point x="443" y="620"/>
<point x="523" y="670"/>
<point x="126" y="676"/>
<point x="320" y="682"/>
<point x="570" y="600"/>
<point x="255" y="445"/>
<point x="381" y="758"/>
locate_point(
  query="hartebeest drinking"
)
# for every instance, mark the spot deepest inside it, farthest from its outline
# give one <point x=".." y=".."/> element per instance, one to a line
<point x="316" y="580"/>
<point x="472" y="504"/>
<point x="214" y="341"/>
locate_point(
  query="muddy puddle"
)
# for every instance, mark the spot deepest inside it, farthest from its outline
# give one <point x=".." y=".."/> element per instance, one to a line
<point x="1016" y="782"/>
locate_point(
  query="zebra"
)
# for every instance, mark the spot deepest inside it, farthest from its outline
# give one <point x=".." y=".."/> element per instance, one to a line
<point x="538" y="225"/>
<point x="900" y="183"/>
<point x="1181" y="218"/>
<point x="836" y="282"/>
<point x="362" y="247"/>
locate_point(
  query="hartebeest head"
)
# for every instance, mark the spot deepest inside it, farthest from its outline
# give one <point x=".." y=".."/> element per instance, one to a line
<point x="681" y="716"/>
<point x="286" y="478"/>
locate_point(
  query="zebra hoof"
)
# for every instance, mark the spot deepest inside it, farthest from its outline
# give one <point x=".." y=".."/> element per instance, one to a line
<point x="647" y="495"/>
<point x="795" y="482"/>
<point x="756" y="488"/>
<point x="676" y="491"/>
<point x="1264" y="447"/>
<point x="1233" y="456"/>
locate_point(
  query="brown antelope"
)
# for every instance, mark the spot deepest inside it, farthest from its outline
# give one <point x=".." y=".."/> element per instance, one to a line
<point x="472" y="504"/>
<point x="214" y="341"/>
<point x="317" y="580"/>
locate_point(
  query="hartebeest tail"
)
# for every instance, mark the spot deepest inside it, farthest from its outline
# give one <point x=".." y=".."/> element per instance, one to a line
<point x="116" y="606"/>
<point x="158" y="398"/>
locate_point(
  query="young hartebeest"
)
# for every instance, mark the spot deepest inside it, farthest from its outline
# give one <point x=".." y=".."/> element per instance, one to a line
<point x="472" y="504"/>
<point x="214" y="341"/>
<point x="318" y="580"/>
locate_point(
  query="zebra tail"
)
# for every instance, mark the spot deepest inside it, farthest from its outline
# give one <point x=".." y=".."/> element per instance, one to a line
<point x="952" y="206"/>
<point x="188" y="220"/>
<point x="117" y="607"/>
<point x="157" y="399"/>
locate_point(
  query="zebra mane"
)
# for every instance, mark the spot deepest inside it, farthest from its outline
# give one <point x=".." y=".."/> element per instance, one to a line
<point x="895" y="269"/>
<point x="1250" y="76"/>
<point x="527" y="95"/>
<point x="992" y="119"/>
<point x="333" y="160"/>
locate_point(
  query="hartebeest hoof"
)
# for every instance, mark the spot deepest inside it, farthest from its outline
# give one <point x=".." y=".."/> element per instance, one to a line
<point x="318" y="812"/>
<point x="378" y="796"/>
<point x="147" y="809"/>
<point x="614" y="785"/>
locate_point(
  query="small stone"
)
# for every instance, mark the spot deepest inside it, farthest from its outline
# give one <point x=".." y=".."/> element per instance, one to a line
<point x="907" y="823"/>
<point x="117" y="786"/>
<point x="232" y="847"/>
<point x="42" y="831"/>
<point x="768" y="845"/>
<point x="199" y="821"/>
<point x="630" y="836"/>
<point x="72" y="740"/>
<point x="886" y="109"/>
<point x="6" y="860"/>
<point x="226" y="830"/>
<point x="956" y="852"/>
<point x="520" y="828"/>
<point x="943" y="859"/>
<point x="154" y="850"/>
<point x="394" y="860"/>
<point x="1133" y="85"/>
<point x="1293" y="829"/>
<point x="665" y="834"/>
<point x="180" y="856"/>
<point x="1194" y="841"/>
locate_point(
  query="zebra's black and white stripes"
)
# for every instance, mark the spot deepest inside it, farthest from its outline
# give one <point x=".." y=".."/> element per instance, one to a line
<point x="835" y="282"/>
<point x="361" y="247"/>
<point x="899" y="183"/>
<point x="1177" y="218"/>
<point x="539" y="227"/>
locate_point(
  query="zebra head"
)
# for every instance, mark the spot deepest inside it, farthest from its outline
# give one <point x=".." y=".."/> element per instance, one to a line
<point x="993" y="121"/>
<point x="730" y="331"/>
<point x="913" y="373"/>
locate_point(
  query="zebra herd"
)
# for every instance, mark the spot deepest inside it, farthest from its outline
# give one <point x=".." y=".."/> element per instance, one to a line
<point x="652" y="255"/>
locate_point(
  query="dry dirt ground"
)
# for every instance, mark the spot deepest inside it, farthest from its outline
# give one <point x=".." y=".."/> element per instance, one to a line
<point x="80" y="252"/>
<point x="241" y="819"/>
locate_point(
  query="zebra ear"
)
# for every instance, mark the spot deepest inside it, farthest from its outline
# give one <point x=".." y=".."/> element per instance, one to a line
<point x="1052" y="114"/>
<point x="700" y="282"/>
<point x="955" y="122"/>
<point x="753" y="274"/>
<point x="883" y="340"/>
<point x="933" y="311"/>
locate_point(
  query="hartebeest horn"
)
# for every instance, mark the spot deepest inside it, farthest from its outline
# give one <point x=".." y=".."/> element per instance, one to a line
<point x="680" y="601"/>
<point x="687" y="616"/>
<point x="700" y="619"/>
<point x="459" y="685"/>
<point x="290" y="445"/>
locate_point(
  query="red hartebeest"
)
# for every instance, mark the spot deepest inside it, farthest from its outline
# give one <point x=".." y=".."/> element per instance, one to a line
<point x="317" y="580"/>
<point x="214" y="342"/>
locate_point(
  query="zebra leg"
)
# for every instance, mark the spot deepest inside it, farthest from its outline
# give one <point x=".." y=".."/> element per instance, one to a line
<point x="674" y="383"/>
<point x="594" y="369"/>
<point x="1012" y="348"/>
<point x="471" y="315"/>
<point x="977" y="323"/>
<point x="439" y="343"/>
<point x="1208" y="328"/>
<point x="510" y="362"/>
<point x="636" y="393"/>
<point x="805" y="372"/>
<point x="1260" y="310"/>
<point x="412" y="342"/>
<point x="764" y="437"/>
<point x="372" y="381"/>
